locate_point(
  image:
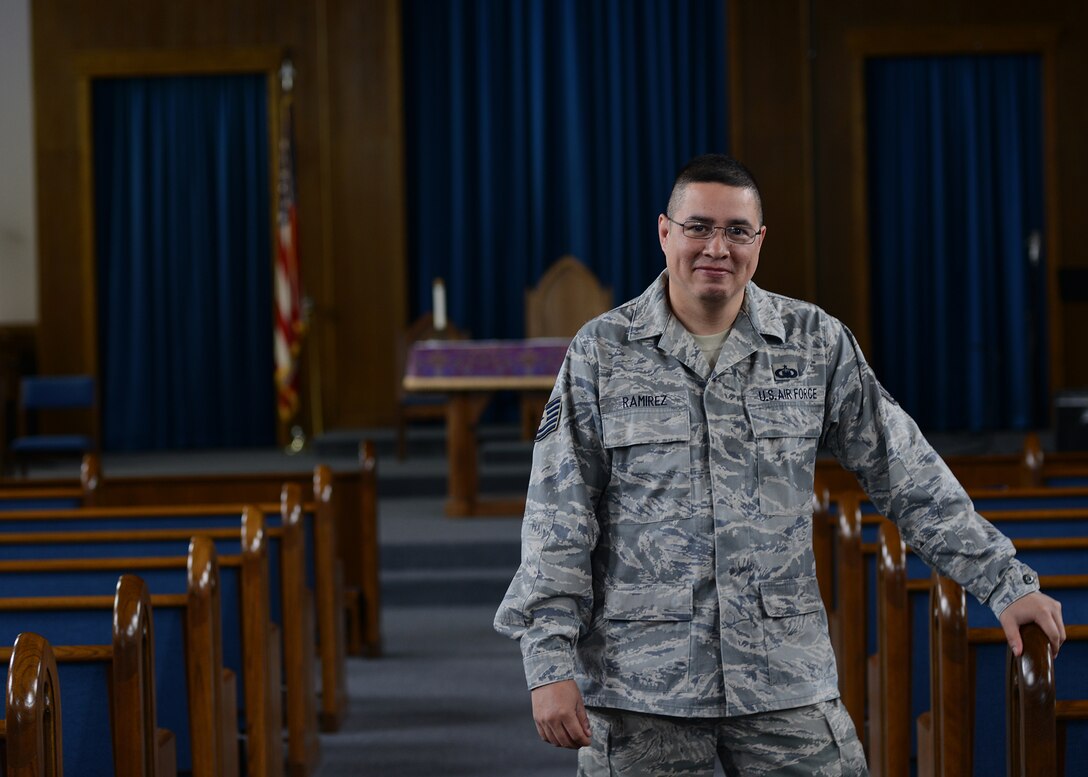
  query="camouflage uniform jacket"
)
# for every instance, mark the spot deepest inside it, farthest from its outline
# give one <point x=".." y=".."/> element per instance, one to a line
<point x="667" y="545"/>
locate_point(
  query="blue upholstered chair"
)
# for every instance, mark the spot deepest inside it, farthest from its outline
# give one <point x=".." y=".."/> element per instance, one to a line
<point x="64" y="396"/>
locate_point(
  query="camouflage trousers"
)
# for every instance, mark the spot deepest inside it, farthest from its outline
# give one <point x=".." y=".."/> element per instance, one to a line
<point x="815" y="740"/>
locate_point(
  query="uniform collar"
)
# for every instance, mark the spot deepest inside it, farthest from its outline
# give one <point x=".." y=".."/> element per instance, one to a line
<point x="653" y="315"/>
<point x="763" y="313"/>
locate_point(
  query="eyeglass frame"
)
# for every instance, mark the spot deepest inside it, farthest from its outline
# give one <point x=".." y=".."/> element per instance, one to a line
<point x="713" y="229"/>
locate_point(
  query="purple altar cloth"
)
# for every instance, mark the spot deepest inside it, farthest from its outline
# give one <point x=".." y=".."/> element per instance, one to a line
<point x="486" y="358"/>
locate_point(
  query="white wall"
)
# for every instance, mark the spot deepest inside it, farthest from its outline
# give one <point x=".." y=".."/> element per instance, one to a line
<point x="18" y="231"/>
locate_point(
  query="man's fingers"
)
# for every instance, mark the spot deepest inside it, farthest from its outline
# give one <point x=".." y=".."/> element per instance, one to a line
<point x="1055" y="631"/>
<point x="583" y="718"/>
<point x="576" y="732"/>
<point x="1012" y="636"/>
<point x="559" y="711"/>
<point x="573" y="736"/>
<point x="561" y="735"/>
<point x="568" y="733"/>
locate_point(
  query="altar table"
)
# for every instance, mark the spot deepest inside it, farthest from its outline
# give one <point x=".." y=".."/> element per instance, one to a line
<point x="469" y="372"/>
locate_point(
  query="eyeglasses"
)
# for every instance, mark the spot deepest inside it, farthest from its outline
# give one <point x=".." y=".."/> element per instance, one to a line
<point x="734" y="233"/>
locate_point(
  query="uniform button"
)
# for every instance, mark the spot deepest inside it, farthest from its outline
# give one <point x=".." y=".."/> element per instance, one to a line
<point x="1029" y="579"/>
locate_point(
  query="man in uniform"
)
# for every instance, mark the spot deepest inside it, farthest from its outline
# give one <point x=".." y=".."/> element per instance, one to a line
<point x="666" y="603"/>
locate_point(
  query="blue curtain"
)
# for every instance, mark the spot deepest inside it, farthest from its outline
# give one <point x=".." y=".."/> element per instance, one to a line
<point x="956" y="205"/>
<point x="538" y="128"/>
<point x="184" y="262"/>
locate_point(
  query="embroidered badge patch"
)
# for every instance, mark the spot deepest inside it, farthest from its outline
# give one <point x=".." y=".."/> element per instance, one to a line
<point x="785" y="372"/>
<point x="550" y="422"/>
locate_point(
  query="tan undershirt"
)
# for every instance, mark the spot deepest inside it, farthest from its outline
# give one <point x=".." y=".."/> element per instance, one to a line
<point x="711" y="345"/>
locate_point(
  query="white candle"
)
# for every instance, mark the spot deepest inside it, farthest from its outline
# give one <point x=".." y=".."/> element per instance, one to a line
<point x="438" y="294"/>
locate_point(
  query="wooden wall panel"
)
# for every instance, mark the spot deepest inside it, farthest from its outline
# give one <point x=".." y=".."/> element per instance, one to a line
<point x="350" y="173"/>
<point x="771" y="133"/>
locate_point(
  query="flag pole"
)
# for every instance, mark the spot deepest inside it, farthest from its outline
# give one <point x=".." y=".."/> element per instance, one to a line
<point x="290" y="318"/>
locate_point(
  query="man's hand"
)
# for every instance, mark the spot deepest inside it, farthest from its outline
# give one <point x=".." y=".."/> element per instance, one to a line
<point x="560" y="715"/>
<point x="1034" y="608"/>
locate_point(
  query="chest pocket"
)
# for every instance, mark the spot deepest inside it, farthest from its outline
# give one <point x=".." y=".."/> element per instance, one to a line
<point x="651" y="464"/>
<point x="786" y="436"/>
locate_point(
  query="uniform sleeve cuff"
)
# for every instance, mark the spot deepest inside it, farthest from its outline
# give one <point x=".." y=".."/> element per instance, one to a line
<point x="549" y="667"/>
<point x="1018" y="581"/>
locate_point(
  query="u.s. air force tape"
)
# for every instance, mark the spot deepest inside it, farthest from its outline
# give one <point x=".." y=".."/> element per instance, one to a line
<point x="550" y="422"/>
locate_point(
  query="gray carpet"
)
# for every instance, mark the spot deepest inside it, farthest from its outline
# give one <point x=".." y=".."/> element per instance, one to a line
<point x="448" y="697"/>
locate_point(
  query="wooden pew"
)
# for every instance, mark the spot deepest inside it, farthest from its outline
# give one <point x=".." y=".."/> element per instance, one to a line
<point x="318" y="521"/>
<point x="946" y="733"/>
<point x="855" y="551"/>
<point x="189" y="653"/>
<point x="1029" y="698"/>
<point x="40" y="498"/>
<point x="1045" y="469"/>
<point x="254" y="653"/>
<point x="120" y="679"/>
<point x="900" y="659"/>
<point x="354" y="496"/>
<point x="289" y="593"/>
<point x="1037" y="719"/>
<point x="351" y="497"/>
<point x="1028" y="468"/>
<point x="32" y="731"/>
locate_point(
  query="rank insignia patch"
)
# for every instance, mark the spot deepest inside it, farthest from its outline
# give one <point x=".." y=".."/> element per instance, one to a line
<point x="550" y="422"/>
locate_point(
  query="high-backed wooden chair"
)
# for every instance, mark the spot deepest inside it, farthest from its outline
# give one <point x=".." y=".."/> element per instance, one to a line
<point x="567" y="295"/>
<point x="414" y="406"/>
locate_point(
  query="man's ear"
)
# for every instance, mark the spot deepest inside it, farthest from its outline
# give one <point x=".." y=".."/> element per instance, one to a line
<point x="663" y="225"/>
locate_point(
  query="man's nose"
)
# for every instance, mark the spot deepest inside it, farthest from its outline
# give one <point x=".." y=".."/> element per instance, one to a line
<point x="716" y="244"/>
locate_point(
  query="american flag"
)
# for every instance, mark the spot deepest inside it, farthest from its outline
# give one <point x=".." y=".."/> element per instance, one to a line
<point x="289" y="321"/>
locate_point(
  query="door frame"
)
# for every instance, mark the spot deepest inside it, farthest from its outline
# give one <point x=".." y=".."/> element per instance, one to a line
<point x="153" y="63"/>
<point x="865" y="43"/>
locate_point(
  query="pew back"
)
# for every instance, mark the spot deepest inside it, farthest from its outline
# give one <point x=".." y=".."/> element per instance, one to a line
<point x="33" y="734"/>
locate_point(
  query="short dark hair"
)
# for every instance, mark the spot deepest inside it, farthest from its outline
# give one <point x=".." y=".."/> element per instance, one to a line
<point x="715" y="168"/>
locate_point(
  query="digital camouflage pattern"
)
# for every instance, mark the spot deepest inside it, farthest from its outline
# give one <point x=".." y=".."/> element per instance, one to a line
<point x="666" y="546"/>
<point x="817" y="740"/>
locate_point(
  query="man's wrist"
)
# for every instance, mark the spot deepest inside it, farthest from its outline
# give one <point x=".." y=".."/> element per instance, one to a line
<point x="1018" y="581"/>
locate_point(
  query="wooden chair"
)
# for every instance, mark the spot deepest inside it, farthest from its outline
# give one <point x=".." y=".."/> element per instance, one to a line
<point x="54" y="394"/>
<point x="567" y="295"/>
<point x="415" y="406"/>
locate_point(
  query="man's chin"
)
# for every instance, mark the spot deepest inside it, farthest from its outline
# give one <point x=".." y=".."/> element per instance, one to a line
<point x="715" y="293"/>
